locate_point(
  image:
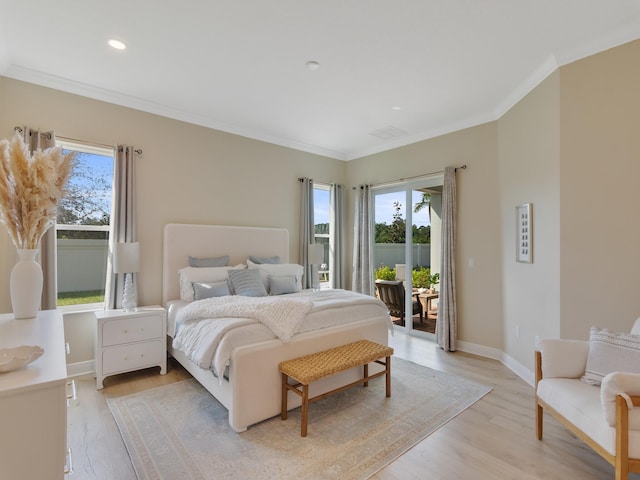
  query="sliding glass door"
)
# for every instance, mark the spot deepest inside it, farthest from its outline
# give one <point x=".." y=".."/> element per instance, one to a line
<point x="406" y="251"/>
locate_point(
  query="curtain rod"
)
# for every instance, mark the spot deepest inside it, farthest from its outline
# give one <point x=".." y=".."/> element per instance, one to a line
<point x="75" y="140"/>
<point x="45" y="134"/>
<point x="415" y="177"/>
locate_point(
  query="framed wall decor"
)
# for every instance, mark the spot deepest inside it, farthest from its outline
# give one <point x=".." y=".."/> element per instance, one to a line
<point x="524" y="233"/>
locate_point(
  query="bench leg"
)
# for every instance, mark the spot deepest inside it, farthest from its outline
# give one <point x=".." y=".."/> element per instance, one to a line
<point x="305" y="410"/>
<point x="366" y="373"/>
<point x="283" y="413"/>
<point x="388" y="376"/>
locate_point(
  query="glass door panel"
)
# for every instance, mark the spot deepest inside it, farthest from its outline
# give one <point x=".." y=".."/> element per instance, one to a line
<point x="406" y="250"/>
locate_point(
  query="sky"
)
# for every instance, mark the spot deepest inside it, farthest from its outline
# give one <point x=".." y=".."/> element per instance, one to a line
<point x="100" y="167"/>
<point x="384" y="209"/>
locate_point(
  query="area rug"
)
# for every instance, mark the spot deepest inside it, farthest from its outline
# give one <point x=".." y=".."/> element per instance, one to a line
<point x="180" y="432"/>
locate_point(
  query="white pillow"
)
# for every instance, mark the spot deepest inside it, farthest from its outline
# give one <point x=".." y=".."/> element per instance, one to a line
<point x="611" y="352"/>
<point x="190" y="275"/>
<point x="619" y="382"/>
<point x="278" y="270"/>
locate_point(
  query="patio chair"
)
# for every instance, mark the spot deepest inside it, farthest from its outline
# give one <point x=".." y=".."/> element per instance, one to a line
<point x="392" y="292"/>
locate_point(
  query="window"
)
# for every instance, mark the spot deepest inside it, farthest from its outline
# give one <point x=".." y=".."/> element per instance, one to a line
<point x="82" y="228"/>
<point x="321" y="216"/>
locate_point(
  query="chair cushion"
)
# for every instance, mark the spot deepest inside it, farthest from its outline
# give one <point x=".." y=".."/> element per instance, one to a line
<point x="579" y="403"/>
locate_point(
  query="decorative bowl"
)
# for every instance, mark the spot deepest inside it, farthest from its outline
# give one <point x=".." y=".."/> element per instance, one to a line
<point x="18" y="357"/>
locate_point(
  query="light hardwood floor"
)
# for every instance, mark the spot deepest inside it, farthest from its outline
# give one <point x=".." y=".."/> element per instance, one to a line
<point x="494" y="439"/>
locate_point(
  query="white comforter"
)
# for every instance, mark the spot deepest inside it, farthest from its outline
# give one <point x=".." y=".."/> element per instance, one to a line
<point x="208" y="330"/>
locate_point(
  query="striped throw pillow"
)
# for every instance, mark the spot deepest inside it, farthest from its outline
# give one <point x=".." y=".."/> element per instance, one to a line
<point x="611" y="352"/>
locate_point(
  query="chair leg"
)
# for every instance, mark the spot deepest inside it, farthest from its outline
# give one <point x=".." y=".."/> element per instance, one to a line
<point x="538" y="420"/>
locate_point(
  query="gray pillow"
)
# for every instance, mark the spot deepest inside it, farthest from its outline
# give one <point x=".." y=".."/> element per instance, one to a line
<point x="247" y="283"/>
<point x="281" y="284"/>
<point x="204" y="262"/>
<point x="259" y="260"/>
<point x="209" y="290"/>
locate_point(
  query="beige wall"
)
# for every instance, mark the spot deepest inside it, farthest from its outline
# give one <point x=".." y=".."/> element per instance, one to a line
<point x="529" y="151"/>
<point x="571" y="148"/>
<point x="479" y="287"/>
<point x="186" y="174"/>
<point x="600" y="173"/>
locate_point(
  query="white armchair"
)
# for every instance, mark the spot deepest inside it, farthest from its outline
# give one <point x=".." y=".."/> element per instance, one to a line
<point x="603" y="417"/>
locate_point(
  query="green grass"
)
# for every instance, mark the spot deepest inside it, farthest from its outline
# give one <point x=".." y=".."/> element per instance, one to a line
<point x="79" y="298"/>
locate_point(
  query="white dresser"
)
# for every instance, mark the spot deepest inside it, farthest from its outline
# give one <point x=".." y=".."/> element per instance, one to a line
<point x="33" y="401"/>
<point x="127" y="341"/>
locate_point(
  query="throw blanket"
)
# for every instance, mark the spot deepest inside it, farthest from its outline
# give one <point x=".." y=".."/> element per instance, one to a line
<point x="283" y="316"/>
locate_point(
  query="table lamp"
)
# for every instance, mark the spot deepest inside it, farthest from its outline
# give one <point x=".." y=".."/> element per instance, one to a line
<point x="316" y="257"/>
<point x="126" y="259"/>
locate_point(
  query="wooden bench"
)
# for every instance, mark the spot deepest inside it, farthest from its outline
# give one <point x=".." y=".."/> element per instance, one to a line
<point x="310" y="368"/>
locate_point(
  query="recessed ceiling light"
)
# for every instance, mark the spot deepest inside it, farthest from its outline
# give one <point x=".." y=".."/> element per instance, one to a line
<point x="312" y="65"/>
<point x="117" y="44"/>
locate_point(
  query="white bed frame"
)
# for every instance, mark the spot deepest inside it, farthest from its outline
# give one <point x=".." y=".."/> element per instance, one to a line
<point x="252" y="392"/>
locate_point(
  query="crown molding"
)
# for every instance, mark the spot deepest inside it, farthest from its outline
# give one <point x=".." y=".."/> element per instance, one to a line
<point x="77" y="88"/>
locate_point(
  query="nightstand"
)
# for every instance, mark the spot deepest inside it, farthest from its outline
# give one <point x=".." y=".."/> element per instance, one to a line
<point x="128" y="341"/>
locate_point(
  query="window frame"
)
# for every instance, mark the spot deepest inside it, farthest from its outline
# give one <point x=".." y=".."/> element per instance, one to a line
<point x="93" y="149"/>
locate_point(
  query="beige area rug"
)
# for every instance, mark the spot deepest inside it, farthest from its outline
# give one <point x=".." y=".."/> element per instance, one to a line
<point x="180" y="432"/>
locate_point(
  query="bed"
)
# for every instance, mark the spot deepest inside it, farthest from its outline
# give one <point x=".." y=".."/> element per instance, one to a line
<point x="250" y="387"/>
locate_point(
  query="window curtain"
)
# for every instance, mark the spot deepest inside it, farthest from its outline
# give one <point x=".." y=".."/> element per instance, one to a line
<point x="447" y="322"/>
<point x="336" y="237"/>
<point x="307" y="229"/>
<point x="35" y="139"/>
<point x="362" y="277"/>
<point x="123" y="222"/>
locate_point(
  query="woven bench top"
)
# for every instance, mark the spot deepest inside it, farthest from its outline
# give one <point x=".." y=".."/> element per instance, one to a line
<point x="318" y="365"/>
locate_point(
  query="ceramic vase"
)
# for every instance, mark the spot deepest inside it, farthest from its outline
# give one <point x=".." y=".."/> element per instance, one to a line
<point x="26" y="285"/>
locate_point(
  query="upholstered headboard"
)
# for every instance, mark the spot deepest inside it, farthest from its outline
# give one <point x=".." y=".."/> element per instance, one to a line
<point x="182" y="240"/>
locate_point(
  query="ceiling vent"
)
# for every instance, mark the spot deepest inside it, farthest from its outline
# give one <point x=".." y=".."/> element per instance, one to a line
<point x="388" y="133"/>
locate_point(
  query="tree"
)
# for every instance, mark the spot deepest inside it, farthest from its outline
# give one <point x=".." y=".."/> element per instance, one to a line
<point x="88" y="199"/>
<point x="425" y="202"/>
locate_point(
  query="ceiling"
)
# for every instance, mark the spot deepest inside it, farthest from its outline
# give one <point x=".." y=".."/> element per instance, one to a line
<point x="392" y="72"/>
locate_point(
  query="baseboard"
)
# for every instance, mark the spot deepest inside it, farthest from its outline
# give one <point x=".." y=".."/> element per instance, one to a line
<point x="493" y="353"/>
<point x="81" y="368"/>
<point x="88" y="367"/>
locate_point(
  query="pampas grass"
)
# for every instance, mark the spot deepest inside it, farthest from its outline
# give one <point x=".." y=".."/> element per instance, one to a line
<point x="30" y="187"/>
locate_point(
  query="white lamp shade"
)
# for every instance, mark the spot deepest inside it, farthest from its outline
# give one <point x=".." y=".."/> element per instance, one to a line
<point x="126" y="257"/>
<point x="316" y="254"/>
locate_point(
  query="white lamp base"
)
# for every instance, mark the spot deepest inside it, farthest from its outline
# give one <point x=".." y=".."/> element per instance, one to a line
<point x="128" y="297"/>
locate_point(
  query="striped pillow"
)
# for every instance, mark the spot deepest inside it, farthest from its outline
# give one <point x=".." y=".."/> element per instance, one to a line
<point x="611" y="352"/>
<point x="247" y="283"/>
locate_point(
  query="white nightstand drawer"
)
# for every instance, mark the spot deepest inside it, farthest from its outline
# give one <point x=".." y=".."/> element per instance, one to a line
<point x="131" y="357"/>
<point x="134" y="329"/>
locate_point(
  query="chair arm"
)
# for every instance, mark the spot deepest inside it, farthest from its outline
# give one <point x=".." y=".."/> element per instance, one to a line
<point x="562" y="358"/>
<point x="627" y="385"/>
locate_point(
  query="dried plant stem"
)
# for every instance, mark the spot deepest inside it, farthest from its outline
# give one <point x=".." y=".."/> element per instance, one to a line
<point x="30" y="188"/>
